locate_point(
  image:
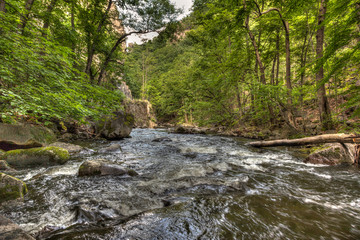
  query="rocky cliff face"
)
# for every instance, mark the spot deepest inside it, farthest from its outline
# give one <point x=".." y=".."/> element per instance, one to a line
<point x="142" y="111"/>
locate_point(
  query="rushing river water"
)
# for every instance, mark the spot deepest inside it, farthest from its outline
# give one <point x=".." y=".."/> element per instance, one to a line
<point x="191" y="187"/>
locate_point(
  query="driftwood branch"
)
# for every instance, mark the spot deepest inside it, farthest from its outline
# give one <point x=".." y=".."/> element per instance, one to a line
<point x="326" y="138"/>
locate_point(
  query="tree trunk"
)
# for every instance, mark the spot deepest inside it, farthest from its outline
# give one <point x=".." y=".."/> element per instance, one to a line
<point x="108" y="57"/>
<point x="326" y="138"/>
<point x="278" y="58"/>
<point x="47" y="15"/>
<point x="91" y="48"/>
<point x="24" y="18"/>
<point x="324" y="108"/>
<point x="257" y="53"/>
<point x="2" y="6"/>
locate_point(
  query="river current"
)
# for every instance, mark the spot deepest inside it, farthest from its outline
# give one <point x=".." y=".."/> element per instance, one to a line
<point x="191" y="187"/>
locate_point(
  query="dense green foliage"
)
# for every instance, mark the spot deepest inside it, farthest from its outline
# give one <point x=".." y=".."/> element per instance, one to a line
<point x="61" y="59"/>
<point x="232" y="65"/>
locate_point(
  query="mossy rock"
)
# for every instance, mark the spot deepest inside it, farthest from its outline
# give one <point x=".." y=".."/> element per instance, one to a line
<point x="24" y="136"/>
<point x="11" y="188"/>
<point x="116" y="126"/>
<point x="33" y="157"/>
<point x="331" y="154"/>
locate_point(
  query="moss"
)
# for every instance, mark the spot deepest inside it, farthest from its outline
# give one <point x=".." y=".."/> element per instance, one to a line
<point x="11" y="188"/>
<point x="129" y="119"/>
<point x="318" y="148"/>
<point x="36" y="156"/>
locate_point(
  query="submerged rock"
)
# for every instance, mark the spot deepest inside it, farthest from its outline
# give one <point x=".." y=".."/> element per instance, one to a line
<point x="111" y="148"/>
<point x="71" y="148"/>
<point x="115" y="127"/>
<point x="332" y="154"/>
<point x="162" y="139"/>
<point x="34" y="157"/>
<point x="103" y="167"/>
<point x="11" y="231"/>
<point x="24" y="136"/>
<point x="11" y="188"/>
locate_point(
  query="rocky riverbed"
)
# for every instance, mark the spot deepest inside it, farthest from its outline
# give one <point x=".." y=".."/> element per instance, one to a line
<point x="189" y="187"/>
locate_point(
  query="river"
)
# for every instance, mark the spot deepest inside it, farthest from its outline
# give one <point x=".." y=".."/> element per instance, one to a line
<point x="191" y="187"/>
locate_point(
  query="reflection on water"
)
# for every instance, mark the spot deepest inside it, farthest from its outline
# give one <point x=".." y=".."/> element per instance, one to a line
<point x="192" y="187"/>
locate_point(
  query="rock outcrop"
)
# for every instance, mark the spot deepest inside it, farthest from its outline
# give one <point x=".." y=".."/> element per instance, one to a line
<point x="34" y="157"/>
<point x="11" y="231"/>
<point x="332" y="154"/>
<point x="142" y="111"/>
<point x="103" y="167"/>
<point x="115" y="127"/>
<point x="24" y="136"/>
<point x="11" y="188"/>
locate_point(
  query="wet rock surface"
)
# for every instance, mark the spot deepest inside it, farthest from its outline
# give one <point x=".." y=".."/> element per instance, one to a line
<point x="11" y="231"/>
<point x="103" y="167"/>
<point x="11" y="189"/>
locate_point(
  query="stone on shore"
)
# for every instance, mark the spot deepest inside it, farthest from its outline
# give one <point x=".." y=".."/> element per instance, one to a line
<point x="332" y="154"/>
<point x="24" y="136"/>
<point x="34" y="157"/>
<point x="71" y="148"/>
<point x="115" y="127"/>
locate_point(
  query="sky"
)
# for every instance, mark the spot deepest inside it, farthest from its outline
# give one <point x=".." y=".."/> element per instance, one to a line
<point x="184" y="4"/>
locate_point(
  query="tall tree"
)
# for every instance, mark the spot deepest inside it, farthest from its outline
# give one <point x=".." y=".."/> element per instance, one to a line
<point x="25" y="17"/>
<point x="324" y="108"/>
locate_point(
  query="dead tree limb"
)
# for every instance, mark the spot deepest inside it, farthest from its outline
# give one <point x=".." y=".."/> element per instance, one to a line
<point x="326" y="138"/>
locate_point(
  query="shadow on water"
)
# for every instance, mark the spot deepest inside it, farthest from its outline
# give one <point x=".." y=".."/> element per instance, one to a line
<point x="191" y="187"/>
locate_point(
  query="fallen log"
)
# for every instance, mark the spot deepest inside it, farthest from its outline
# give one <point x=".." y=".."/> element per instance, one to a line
<point x="326" y="138"/>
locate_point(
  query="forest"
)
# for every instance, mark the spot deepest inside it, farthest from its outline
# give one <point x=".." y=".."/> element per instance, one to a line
<point x="292" y="64"/>
<point x="274" y="64"/>
<point x="239" y="120"/>
<point x="61" y="59"/>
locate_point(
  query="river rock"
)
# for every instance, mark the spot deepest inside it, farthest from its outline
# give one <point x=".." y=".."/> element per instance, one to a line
<point x="11" y="188"/>
<point x="103" y="167"/>
<point x="111" y="148"/>
<point x="115" y="127"/>
<point x="332" y="154"/>
<point x="71" y="148"/>
<point x="11" y="231"/>
<point x="34" y="157"/>
<point x="24" y="136"/>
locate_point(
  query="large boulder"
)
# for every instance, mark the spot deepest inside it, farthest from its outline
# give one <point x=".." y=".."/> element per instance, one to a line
<point x="332" y="154"/>
<point x="33" y="157"/>
<point x="11" y="231"/>
<point x="103" y="167"/>
<point x="11" y="188"/>
<point x="142" y="111"/>
<point x="24" y="136"/>
<point x="115" y="127"/>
